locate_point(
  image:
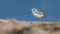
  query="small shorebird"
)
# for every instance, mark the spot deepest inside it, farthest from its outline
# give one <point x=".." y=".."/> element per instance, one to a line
<point x="37" y="14"/>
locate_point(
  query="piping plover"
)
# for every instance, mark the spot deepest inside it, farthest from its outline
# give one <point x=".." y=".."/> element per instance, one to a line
<point x="37" y="14"/>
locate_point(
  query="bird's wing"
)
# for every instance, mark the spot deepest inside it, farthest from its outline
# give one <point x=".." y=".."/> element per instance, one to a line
<point x="40" y="13"/>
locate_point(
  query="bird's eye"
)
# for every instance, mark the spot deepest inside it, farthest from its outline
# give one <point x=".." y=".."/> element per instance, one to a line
<point x="33" y="10"/>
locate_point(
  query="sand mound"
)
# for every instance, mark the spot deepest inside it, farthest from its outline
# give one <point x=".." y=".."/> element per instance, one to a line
<point x="13" y="26"/>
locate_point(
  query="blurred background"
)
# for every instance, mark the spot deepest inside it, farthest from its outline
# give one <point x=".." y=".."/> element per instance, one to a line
<point x="21" y="9"/>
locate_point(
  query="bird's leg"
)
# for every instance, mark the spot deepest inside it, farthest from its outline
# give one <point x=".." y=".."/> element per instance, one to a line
<point x="38" y="19"/>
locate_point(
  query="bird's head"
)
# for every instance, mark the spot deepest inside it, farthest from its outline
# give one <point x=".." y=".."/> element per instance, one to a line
<point x="34" y="9"/>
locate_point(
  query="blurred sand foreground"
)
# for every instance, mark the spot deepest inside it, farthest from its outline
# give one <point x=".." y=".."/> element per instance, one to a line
<point x="13" y="26"/>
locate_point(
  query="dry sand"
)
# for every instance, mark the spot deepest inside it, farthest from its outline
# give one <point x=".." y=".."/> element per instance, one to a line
<point x="13" y="26"/>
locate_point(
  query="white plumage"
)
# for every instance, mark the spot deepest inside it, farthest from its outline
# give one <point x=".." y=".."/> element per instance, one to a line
<point x="37" y="14"/>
